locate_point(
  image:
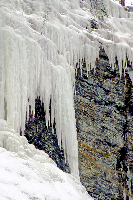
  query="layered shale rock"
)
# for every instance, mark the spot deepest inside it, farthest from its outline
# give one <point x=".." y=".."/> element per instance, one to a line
<point x="101" y="105"/>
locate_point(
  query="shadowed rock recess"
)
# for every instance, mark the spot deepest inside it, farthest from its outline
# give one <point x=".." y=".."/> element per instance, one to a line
<point x="42" y="137"/>
<point x="104" y="121"/>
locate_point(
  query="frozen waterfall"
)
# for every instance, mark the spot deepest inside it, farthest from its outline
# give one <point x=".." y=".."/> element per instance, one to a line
<point x="27" y="173"/>
<point x="41" y="44"/>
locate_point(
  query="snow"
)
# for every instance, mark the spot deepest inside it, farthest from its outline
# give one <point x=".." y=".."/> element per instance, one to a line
<point x="128" y="3"/>
<point x="42" y="42"/>
<point x="27" y="173"/>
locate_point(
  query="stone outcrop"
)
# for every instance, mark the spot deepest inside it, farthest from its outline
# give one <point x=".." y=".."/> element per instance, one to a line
<point x="105" y="130"/>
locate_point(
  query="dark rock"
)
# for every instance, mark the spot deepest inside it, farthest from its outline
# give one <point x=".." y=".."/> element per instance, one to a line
<point x="101" y="109"/>
<point x="94" y="24"/>
<point x="43" y="138"/>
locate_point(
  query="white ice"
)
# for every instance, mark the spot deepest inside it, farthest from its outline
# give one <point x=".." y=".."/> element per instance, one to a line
<point x="41" y="43"/>
<point x="27" y="173"/>
<point x="128" y="3"/>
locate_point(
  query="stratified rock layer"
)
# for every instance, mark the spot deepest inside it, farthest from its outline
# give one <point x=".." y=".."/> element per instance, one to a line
<point x="101" y="108"/>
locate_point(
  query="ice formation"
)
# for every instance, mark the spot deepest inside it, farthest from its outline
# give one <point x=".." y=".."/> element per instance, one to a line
<point x="42" y="42"/>
<point x="27" y="173"/>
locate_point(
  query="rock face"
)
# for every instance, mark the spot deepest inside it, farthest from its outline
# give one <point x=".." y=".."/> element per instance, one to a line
<point x="104" y="121"/>
<point x="105" y="131"/>
<point x="41" y="136"/>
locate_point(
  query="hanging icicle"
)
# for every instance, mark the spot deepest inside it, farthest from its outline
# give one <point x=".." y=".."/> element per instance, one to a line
<point x="41" y="45"/>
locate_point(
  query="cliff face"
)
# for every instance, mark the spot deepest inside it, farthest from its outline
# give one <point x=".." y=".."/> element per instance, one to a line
<point x="105" y="131"/>
<point x="104" y="121"/>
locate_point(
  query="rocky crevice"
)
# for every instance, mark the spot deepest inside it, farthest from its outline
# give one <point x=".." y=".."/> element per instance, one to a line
<point x="42" y="137"/>
<point x="125" y="154"/>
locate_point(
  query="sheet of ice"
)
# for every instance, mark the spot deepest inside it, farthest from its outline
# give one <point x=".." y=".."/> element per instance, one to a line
<point x="27" y="173"/>
<point x="41" y="44"/>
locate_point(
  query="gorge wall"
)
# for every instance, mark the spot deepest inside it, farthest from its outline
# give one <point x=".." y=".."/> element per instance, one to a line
<point x="103" y="109"/>
<point x="104" y="116"/>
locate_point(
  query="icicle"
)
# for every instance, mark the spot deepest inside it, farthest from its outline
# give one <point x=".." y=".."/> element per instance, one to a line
<point x="39" y="54"/>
